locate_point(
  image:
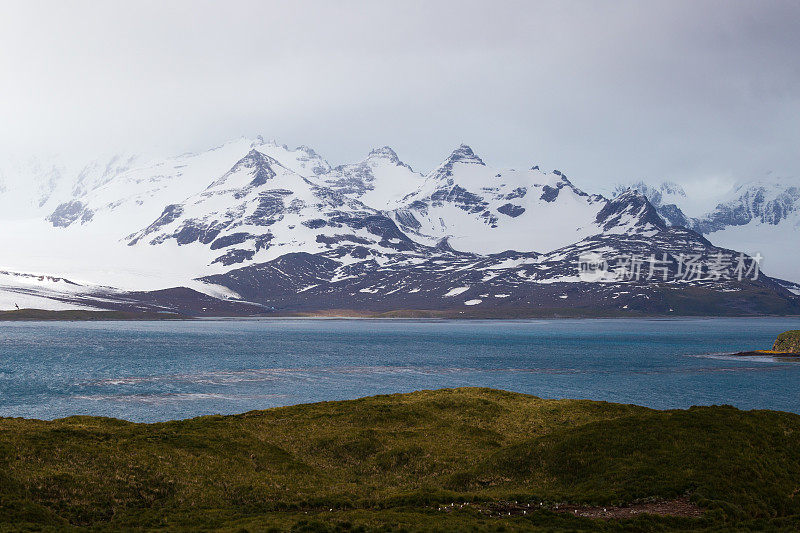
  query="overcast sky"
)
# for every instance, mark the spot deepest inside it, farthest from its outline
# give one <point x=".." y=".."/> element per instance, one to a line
<point x="605" y="91"/>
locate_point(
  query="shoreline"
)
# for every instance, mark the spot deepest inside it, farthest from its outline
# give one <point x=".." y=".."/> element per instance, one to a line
<point x="76" y="315"/>
<point x="357" y="399"/>
<point x="767" y="353"/>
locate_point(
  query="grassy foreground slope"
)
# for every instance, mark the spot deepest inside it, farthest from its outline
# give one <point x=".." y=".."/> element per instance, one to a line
<point x="398" y="463"/>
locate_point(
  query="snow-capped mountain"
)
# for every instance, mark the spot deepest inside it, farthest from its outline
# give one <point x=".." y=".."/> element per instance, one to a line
<point x="253" y="225"/>
<point x="761" y="202"/>
<point x="485" y="210"/>
<point x="665" y="197"/>
<point x="515" y="284"/>
<point x="141" y="192"/>
<point x="381" y="180"/>
<point x="758" y="217"/>
<point x="261" y="207"/>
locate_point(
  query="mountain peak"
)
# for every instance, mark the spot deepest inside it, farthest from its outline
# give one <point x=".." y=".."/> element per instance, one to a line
<point x="387" y="154"/>
<point x="658" y="195"/>
<point x="259" y="165"/>
<point x="632" y="196"/>
<point x="670" y="187"/>
<point x="464" y="154"/>
<point x="307" y="150"/>
<point x="629" y="194"/>
<point x="384" y="152"/>
<point x="562" y="177"/>
<point x="254" y="157"/>
<point x="260" y="140"/>
<point x="630" y="209"/>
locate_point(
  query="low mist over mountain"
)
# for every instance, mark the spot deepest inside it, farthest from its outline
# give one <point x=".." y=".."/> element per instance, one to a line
<point x="253" y="226"/>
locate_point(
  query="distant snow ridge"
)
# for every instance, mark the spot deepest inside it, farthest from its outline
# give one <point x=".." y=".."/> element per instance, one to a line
<point x="759" y="202"/>
<point x="283" y="227"/>
<point x="264" y="205"/>
<point x="758" y="217"/>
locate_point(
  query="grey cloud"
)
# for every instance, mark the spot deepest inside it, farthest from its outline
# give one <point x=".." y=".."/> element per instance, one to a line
<point x="607" y="91"/>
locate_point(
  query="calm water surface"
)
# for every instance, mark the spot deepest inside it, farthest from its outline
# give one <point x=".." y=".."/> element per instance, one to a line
<point x="147" y="371"/>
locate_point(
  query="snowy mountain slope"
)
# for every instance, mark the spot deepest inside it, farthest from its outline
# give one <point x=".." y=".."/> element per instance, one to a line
<point x="496" y="217"/>
<point x="302" y="160"/>
<point x="127" y="195"/>
<point x="126" y="200"/>
<point x="761" y="217"/>
<point x="80" y="231"/>
<point x="485" y="210"/>
<point x="758" y="217"/>
<point x="513" y="284"/>
<point x="507" y="284"/>
<point x="770" y="202"/>
<point x="381" y="180"/>
<point x="21" y="291"/>
<point x="260" y="210"/>
<point x="35" y="186"/>
<point x="83" y="236"/>
<point x="40" y="292"/>
<point x="665" y="193"/>
<point x="27" y="185"/>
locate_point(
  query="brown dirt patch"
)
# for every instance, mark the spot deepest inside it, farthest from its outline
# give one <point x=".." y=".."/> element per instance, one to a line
<point x="680" y="507"/>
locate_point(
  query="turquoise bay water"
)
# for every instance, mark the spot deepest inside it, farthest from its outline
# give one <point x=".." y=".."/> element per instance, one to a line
<point x="148" y="371"/>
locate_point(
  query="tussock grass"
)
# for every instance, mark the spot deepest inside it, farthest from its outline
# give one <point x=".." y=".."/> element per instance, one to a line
<point x="788" y="341"/>
<point x="387" y="462"/>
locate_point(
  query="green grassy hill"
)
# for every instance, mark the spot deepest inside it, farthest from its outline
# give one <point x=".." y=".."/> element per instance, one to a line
<point x="446" y="460"/>
<point x="788" y="341"/>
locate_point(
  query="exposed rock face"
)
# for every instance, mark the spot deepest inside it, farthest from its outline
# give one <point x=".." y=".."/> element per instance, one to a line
<point x="630" y="208"/>
<point x="67" y="213"/>
<point x="788" y="341"/>
<point x="504" y="284"/>
<point x="662" y="197"/>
